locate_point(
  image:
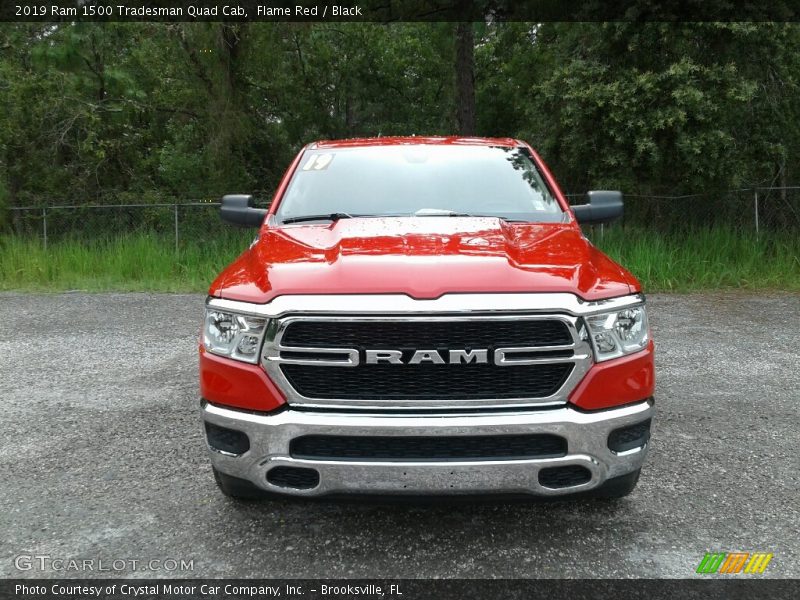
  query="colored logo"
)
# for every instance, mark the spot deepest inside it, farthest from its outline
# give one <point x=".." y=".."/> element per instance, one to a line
<point x="734" y="562"/>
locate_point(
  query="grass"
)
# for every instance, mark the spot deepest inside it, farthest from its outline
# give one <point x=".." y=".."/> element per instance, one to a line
<point x="135" y="262"/>
<point x="706" y="259"/>
<point x="702" y="259"/>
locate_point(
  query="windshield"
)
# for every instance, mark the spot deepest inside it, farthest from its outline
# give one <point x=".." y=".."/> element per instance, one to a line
<point x="418" y="180"/>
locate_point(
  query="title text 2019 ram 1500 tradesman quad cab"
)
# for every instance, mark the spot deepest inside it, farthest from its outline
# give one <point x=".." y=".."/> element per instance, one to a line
<point x="423" y="316"/>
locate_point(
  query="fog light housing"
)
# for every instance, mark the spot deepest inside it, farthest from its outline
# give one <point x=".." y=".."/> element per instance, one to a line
<point x="227" y="441"/>
<point x="630" y="437"/>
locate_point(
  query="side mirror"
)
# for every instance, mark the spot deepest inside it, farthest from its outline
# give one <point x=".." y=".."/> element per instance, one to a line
<point x="603" y="206"/>
<point x="237" y="209"/>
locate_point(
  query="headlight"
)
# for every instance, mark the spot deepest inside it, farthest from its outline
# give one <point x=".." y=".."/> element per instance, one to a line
<point x="619" y="332"/>
<point x="233" y="335"/>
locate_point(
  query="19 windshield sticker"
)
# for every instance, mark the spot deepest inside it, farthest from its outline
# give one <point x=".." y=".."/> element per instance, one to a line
<point x="318" y="162"/>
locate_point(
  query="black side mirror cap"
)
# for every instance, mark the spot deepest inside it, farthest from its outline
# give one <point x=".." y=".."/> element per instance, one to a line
<point x="602" y="206"/>
<point x="237" y="209"/>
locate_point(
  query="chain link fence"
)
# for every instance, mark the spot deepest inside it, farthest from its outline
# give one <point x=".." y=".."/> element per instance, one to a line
<point x="747" y="209"/>
<point x="181" y="223"/>
<point x="762" y="209"/>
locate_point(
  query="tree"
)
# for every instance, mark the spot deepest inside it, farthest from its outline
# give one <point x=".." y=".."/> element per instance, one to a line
<point x="661" y="107"/>
<point x="465" y="79"/>
<point x="117" y="112"/>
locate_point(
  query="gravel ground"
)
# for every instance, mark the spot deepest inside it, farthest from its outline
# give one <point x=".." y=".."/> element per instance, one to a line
<point x="102" y="457"/>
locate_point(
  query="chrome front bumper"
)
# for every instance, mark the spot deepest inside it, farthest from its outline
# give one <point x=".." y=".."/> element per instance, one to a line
<point x="586" y="435"/>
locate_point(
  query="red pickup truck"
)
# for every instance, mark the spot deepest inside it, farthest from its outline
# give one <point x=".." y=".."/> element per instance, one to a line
<point x="423" y="317"/>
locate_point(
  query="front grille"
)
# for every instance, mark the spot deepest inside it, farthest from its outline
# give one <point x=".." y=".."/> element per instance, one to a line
<point x="439" y="359"/>
<point x="487" y="447"/>
<point x="478" y="333"/>
<point x="427" y="381"/>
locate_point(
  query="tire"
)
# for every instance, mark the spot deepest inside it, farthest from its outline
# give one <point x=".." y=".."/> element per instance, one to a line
<point x="238" y="489"/>
<point x="618" y="487"/>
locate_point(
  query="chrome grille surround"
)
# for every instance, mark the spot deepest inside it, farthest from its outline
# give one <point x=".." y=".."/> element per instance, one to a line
<point x="285" y="310"/>
<point x="273" y="356"/>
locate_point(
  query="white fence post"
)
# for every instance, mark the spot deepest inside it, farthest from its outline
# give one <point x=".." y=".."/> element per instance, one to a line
<point x="44" y="226"/>
<point x="176" y="227"/>
<point x="755" y="201"/>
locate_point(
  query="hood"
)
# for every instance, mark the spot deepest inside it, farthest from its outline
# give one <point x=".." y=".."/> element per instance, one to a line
<point x="423" y="258"/>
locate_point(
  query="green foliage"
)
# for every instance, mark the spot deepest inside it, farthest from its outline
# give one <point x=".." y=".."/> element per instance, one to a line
<point x="198" y="110"/>
<point x="105" y="112"/>
<point x="654" y="107"/>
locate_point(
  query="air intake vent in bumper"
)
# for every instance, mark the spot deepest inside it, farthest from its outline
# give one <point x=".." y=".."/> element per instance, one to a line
<point x="566" y="476"/>
<point x="293" y="477"/>
<point x="487" y="447"/>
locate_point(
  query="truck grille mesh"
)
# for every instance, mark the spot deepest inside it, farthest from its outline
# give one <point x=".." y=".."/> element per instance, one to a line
<point x="487" y="447"/>
<point x="426" y="334"/>
<point x="428" y="381"/>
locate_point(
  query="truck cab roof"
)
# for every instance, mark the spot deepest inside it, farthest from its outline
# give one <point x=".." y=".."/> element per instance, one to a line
<point x="415" y="140"/>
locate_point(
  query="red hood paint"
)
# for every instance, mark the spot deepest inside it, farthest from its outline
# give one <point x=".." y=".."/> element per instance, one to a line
<point x="424" y="257"/>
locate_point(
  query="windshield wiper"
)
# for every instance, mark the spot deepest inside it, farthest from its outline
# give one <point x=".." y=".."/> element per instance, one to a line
<point x="478" y="215"/>
<point x="425" y="212"/>
<point x="439" y="212"/>
<point x="443" y="212"/>
<point x="329" y="217"/>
